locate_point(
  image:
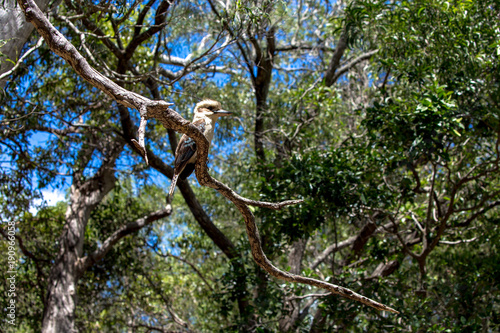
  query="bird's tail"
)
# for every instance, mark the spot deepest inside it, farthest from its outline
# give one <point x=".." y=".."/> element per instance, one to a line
<point x="172" y="188"/>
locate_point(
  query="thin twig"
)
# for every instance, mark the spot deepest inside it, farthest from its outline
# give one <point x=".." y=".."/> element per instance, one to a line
<point x="20" y="61"/>
<point x="172" y="120"/>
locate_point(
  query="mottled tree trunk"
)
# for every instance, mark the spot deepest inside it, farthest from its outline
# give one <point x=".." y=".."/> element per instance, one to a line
<point x="295" y="256"/>
<point x="264" y="64"/>
<point x="60" y="303"/>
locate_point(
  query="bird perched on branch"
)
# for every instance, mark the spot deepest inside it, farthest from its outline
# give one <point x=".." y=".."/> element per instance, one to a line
<point x="206" y="114"/>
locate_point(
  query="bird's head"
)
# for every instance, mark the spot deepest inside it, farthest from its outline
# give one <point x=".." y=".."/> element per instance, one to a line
<point x="210" y="108"/>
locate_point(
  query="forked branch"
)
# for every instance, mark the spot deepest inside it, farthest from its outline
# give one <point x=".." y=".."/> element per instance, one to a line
<point x="171" y="119"/>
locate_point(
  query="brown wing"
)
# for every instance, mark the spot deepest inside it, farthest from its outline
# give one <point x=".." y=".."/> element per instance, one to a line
<point x="186" y="148"/>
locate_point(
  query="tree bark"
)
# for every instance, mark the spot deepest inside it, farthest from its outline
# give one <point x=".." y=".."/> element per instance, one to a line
<point x="15" y="31"/>
<point x="264" y="64"/>
<point x="170" y="119"/>
<point x="335" y="62"/>
<point x="295" y="255"/>
<point x="60" y="303"/>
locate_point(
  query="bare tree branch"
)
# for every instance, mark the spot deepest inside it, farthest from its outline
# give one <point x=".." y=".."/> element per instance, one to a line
<point x="335" y="62"/>
<point x="458" y="241"/>
<point x="344" y="244"/>
<point x="352" y="63"/>
<point x="260" y="257"/>
<point x="332" y="248"/>
<point x="308" y="295"/>
<point x="385" y="269"/>
<point x="61" y="46"/>
<point x="123" y="231"/>
<point x="158" y="25"/>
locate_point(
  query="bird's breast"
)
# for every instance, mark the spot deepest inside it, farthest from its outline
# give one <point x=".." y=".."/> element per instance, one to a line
<point x="209" y="131"/>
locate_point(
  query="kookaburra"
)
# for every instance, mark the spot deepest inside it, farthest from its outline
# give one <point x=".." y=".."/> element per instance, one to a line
<point x="206" y="114"/>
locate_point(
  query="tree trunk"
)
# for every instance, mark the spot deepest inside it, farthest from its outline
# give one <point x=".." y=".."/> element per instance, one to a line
<point x="264" y="63"/>
<point x="296" y="253"/>
<point x="60" y="303"/>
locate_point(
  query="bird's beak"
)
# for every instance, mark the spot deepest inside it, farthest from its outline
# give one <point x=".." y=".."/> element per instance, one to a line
<point x="222" y="113"/>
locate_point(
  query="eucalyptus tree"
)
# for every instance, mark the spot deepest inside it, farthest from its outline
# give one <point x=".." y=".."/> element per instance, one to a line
<point x="380" y="120"/>
<point x="14" y="33"/>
